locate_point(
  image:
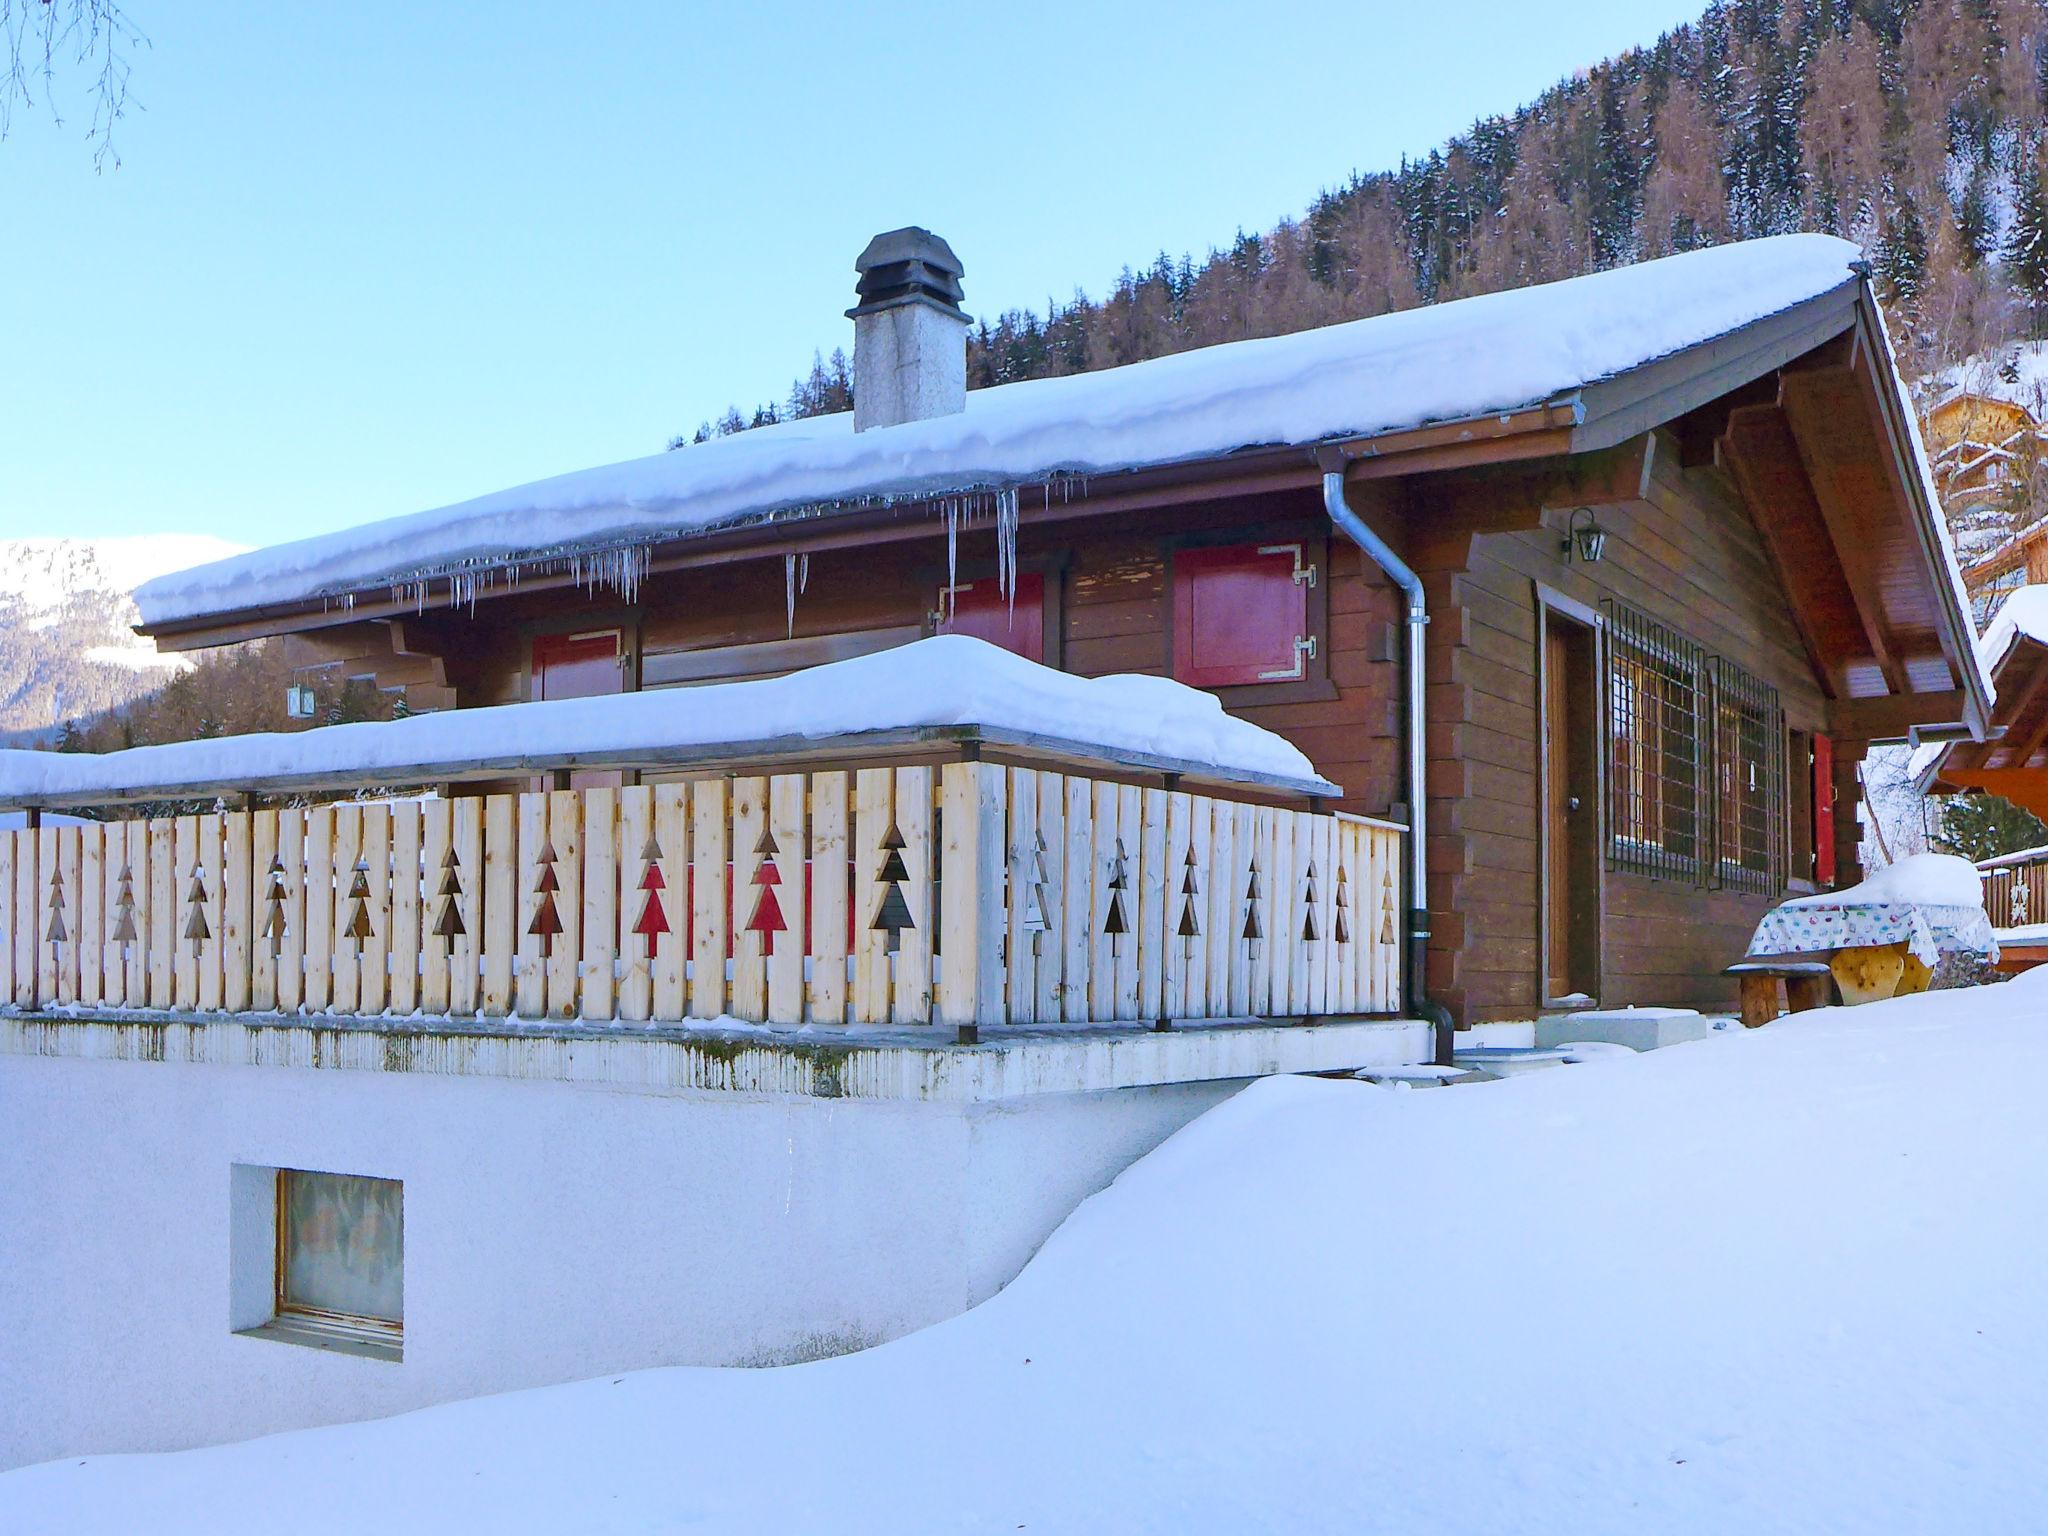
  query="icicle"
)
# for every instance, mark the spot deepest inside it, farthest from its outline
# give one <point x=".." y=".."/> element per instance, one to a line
<point x="952" y="550"/>
<point x="789" y="593"/>
<point x="1006" y="546"/>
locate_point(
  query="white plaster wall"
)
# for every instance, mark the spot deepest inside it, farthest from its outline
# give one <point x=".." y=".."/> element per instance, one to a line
<point x="552" y="1232"/>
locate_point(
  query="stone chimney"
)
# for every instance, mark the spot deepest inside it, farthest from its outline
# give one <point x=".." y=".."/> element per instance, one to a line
<point x="909" y="332"/>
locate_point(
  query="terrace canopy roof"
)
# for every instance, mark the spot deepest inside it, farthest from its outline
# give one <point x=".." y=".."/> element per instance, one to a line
<point x="2015" y="765"/>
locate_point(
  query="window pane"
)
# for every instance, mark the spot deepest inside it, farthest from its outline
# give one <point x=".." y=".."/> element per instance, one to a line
<point x="343" y="1249"/>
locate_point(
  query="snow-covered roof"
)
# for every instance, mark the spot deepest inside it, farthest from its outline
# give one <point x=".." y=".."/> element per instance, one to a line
<point x="1492" y="355"/>
<point x="948" y="680"/>
<point x="2022" y="615"/>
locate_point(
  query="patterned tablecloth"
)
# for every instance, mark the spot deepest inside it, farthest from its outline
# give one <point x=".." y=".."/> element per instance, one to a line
<point x="1929" y="931"/>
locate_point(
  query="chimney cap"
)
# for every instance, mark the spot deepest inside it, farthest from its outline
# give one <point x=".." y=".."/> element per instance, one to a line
<point x="908" y="266"/>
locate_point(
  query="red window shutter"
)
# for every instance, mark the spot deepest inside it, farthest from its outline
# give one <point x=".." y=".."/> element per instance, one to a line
<point x="1240" y="614"/>
<point x="982" y="609"/>
<point x="1823" y="811"/>
<point x="577" y="666"/>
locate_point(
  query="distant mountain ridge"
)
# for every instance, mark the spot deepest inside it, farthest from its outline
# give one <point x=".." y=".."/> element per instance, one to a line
<point x="67" y="650"/>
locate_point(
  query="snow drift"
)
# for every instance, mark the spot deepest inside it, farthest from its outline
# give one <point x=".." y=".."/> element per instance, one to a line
<point x="1782" y="1282"/>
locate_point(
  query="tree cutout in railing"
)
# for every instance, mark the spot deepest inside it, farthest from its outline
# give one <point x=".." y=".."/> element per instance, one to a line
<point x="1311" y="930"/>
<point x="1190" y="925"/>
<point x="57" y="933"/>
<point x="1253" y="930"/>
<point x="359" y="927"/>
<point x="547" y="922"/>
<point x="1340" y="924"/>
<point x="1387" y="909"/>
<point x="893" y="915"/>
<point x="124" y="910"/>
<point x="1037" y="884"/>
<point x="275" y="926"/>
<point x="196" y="927"/>
<point x="653" y="920"/>
<point x="767" y="919"/>
<point x="1117" y="921"/>
<point x="448" y="924"/>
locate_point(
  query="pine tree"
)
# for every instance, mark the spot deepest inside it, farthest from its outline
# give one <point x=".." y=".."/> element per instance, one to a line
<point x="359" y="927"/>
<point x="653" y="919"/>
<point x="57" y="932"/>
<point x="1117" y="921"/>
<point x="124" y="909"/>
<point x="1037" y="884"/>
<point x="196" y="927"/>
<point x="2026" y="241"/>
<point x="1981" y="826"/>
<point x="1902" y="253"/>
<point x="1311" y="929"/>
<point x="1340" y="922"/>
<point x="1253" y="929"/>
<point x="767" y="919"/>
<point x="547" y="922"/>
<point x="892" y="916"/>
<point x="274" y="896"/>
<point x="1189" y="925"/>
<point x="448" y="924"/>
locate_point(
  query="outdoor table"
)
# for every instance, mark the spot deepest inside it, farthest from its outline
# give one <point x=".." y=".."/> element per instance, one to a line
<point x="1875" y="949"/>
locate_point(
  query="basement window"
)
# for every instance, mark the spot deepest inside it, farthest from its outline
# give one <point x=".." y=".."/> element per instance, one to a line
<point x="340" y="1274"/>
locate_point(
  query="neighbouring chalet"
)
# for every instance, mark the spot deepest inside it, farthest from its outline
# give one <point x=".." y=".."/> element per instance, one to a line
<point x="742" y="959"/>
<point x="1676" y="546"/>
<point x="2013" y="763"/>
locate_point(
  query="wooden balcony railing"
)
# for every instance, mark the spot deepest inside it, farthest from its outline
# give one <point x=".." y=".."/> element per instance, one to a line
<point x="965" y="893"/>
<point x="2016" y="895"/>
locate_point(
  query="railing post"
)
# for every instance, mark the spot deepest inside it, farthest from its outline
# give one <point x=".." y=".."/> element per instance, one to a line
<point x="973" y="915"/>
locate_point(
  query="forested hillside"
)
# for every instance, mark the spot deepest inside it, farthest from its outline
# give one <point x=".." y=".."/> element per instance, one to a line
<point x="1912" y="126"/>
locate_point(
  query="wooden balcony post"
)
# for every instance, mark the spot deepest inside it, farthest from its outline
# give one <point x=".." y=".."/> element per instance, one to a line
<point x="973" y="915"/>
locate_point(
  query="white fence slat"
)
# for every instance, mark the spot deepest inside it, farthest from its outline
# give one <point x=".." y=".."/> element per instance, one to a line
<point x="710" y="857"/>
<point x="831" y="848"/>
<point x="598" y="970"/>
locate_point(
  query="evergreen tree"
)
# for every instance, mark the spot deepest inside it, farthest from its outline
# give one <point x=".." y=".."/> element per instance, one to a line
<point x="2026" y="241"/>
<point x="1981" y="826"/>
<point x="1902" y="254"/>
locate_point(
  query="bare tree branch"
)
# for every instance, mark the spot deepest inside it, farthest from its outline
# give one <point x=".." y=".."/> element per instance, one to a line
<point x="91" y="38"/>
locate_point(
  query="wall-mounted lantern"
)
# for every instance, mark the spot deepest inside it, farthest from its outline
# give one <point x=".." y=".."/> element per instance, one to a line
<point x="1587" y="541"/>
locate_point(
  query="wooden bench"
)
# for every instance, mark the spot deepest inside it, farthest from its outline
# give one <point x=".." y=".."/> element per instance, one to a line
<point x="1808" y="984"/>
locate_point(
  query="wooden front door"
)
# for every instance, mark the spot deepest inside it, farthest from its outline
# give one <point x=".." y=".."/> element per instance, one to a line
<point x="1571" y="814"/>
<point x="580" y="666"/>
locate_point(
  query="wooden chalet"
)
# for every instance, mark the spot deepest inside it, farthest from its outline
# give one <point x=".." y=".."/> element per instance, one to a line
<point x="2013" y="762"/>
<point x="1667" y="534"/>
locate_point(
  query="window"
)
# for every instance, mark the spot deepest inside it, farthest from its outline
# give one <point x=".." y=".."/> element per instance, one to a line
<point x="1749" y="784"/>
<point x="982" y="609"/>
<point x="1654" y="748"/>
<point x="1241" y="614"/>
<point x="1696" y="762"/>
<point x="341" y="1254"/>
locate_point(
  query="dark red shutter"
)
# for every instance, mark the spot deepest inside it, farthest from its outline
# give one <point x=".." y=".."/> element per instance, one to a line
<point x="577" y="666"/>
<point x="983" y="610"/>
<point x="1240" y="614"/>
<point x="1823" y="811"/>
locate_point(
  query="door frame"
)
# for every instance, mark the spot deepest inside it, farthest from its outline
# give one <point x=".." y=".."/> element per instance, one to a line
<point x="1589" y="963"/>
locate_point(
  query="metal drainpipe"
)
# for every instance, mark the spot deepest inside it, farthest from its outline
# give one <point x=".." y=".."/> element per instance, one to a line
<point x="1378" y="551"/>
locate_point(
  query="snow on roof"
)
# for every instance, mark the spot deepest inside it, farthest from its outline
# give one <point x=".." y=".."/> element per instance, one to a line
<point x="943" y="681"/>
<point x="1494" y="354"/>
<point x="2024" y="614"/>
<point x="2022" y="856"/>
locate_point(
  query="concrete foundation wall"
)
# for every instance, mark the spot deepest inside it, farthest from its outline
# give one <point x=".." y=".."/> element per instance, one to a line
<point x="553" y="1231"/>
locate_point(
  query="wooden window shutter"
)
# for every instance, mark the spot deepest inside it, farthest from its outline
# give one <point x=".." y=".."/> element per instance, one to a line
<point x="1823" y="810"/>
<point x="1240" y="614"/>
<point x="982" y="609"/>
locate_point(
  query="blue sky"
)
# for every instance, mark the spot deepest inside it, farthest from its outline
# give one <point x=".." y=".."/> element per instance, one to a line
<point x="364" y="260"/>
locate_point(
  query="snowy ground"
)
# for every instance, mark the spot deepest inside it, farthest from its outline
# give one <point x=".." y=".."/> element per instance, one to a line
<point x="1780" y="1281"/>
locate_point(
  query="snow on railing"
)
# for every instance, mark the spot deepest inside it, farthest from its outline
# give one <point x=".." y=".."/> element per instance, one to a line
<point x="2016" y="895"/>
<point x="966" y="894"/>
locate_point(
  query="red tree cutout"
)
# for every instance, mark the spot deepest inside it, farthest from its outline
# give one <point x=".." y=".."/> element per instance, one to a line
<point x="547" y="922"/>
<point x="653" y="919"/>
<point x="767" y="919"/>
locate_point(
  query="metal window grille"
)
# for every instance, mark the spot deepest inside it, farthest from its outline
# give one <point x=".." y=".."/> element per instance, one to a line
<point x="1749" y="781"/>
<point x="1657" y="759"/>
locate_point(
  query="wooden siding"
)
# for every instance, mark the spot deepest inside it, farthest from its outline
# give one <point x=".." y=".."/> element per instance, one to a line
<point x="1688" y="555"/>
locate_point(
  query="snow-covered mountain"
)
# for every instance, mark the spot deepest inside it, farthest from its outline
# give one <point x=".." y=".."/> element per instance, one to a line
<point x="66" y="647"/>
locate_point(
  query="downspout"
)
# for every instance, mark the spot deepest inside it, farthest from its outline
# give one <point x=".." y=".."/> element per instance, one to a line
<point x="1377" y="550"/>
